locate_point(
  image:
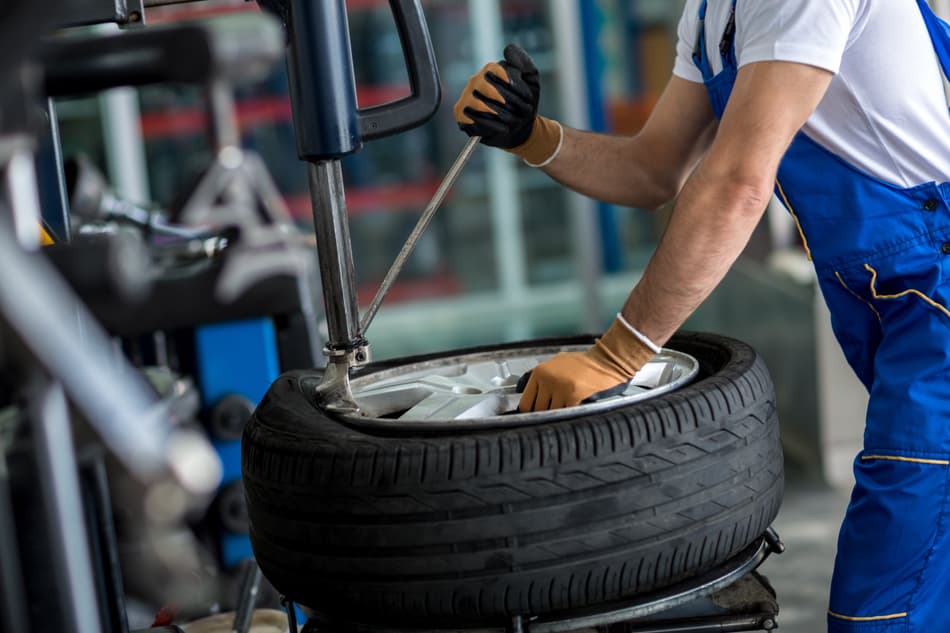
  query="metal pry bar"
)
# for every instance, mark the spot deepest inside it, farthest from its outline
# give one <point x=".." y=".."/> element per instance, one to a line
<point x="419" y="229"/>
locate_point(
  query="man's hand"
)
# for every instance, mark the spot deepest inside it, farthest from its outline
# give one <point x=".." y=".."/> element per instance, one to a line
<point x="572" y="377"/>
<point x="500" y="104"/>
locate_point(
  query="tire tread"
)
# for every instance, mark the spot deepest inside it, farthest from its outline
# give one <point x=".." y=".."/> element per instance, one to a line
<point x="344" y="520"/>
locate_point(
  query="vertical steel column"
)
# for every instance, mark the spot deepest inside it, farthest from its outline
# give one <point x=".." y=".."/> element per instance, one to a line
<point x="20" y="184"/>
<point x="503" y="187"/>
<point x="123" y="143"/>
<point x="328" y="126"/>
<point x="225" y="131"/>
<point x="323" y="93"/>
<point x="588" y="245"/>
<point x="335" y="254"/>
<point x="54" y="199"/>
<point x="322" y="85"/>
<point x="104" y="550"/>
<point x="59" y="486"/>
<point x="13" y="601"/>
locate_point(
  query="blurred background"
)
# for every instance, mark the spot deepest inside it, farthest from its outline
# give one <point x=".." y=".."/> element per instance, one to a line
<point x="512" y="255"/>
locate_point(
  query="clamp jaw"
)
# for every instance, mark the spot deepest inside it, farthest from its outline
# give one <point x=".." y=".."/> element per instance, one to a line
<point x="334" y="390"/>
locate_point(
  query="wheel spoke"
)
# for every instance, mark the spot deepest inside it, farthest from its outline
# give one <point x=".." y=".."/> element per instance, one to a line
<point x="442" y="407"/>
<point x="482" y="386"/>
<point x="653" y="375"/>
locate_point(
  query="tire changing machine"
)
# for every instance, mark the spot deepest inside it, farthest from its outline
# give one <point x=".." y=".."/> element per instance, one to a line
<point x="330" y="126"/>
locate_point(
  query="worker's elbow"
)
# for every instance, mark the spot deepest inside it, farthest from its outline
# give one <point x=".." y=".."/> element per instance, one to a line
<point x="749" y="199"/>
<point x="659" y="192"/>
<point x="744" y="194"/>
<point x="666" y="183"/>
<point x="665" y="190"/>
<point x="742" y="181"/>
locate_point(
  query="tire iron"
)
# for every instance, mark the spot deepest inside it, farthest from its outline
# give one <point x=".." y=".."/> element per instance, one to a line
<point x="427" y="214"/>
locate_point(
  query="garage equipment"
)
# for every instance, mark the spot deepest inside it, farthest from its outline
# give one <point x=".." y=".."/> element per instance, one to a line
<point x="56" y="544"/>
<point x="54" y="350"/>
<point x="229" y="271"/>
<point x="329" y="125"/>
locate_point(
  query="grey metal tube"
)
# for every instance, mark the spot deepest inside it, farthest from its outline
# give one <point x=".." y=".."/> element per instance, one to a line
<point x="59" y="483"/>
<point x="225" y="131"/>
<point x="60" y="204"/>
<point x="59" y="332"/>
<point x="335" y="253"/>
<point x="13" y="602"/>
<point x="247" y="600"/>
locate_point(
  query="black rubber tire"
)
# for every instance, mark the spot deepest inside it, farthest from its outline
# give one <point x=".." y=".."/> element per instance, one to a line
<point x="444" y="529"/>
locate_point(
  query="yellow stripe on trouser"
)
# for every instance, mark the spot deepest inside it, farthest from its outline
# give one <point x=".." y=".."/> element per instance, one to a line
<point x="916" y="293"/>
<point x="913" y="460"/>
<point x="873" y="618"/>
<point x="798" y="225"/>
<point x="893" y="458"/>
<point x="857" y="296"/>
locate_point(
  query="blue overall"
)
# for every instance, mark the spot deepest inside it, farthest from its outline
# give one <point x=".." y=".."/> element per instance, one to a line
<point x="882" y="254"/>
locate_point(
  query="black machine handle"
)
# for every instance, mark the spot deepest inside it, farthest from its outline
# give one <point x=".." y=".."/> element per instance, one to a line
<point x="426" y="91"/>
<point x="328" y="123"/>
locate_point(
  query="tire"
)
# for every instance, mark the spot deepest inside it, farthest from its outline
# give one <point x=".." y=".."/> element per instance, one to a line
<point x="445" y="529"/>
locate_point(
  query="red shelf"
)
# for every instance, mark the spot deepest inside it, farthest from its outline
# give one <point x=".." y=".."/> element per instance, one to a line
<point x="173" y="122"/>
<point x="361" y="200"/>
<point x="251" y="112"/>
<point x="164" y="15"/>
<point x="190" y="121"/>
<point x="377" y="94"/>
<point x="440" y="285"/>
<point x="161" y="15"/>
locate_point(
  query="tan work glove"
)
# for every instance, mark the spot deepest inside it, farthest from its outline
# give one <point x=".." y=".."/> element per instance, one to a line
<point x="572" y="377"/>
<point x="500" y="104"/>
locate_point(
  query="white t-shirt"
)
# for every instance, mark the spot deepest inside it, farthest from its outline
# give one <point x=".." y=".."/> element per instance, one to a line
<point x="885" y="111"/>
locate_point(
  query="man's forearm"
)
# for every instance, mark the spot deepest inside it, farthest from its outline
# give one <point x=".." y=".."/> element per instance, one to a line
<point x="726" y="196"/>
<point x="646" y="170"/>
<point x="609" y="168"/>
<point x="710" y="226"/>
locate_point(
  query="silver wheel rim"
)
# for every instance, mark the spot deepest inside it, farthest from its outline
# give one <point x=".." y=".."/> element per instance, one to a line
<point x="479" y="390"/>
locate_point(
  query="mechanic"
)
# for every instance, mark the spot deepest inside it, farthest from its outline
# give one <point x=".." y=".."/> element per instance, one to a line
<point x="839" y="106"/>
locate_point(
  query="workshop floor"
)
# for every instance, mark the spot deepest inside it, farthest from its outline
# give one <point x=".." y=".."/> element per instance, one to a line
<point x="808" y="523"/>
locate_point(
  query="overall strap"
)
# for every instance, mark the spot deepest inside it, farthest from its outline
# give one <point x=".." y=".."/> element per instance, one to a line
<point x="727" y="45"/>
<point x="939" y="35"/>
<point x="700" y="54"/>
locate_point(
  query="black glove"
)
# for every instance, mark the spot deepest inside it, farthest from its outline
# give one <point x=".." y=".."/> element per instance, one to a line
<point x="500" y="102"/>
